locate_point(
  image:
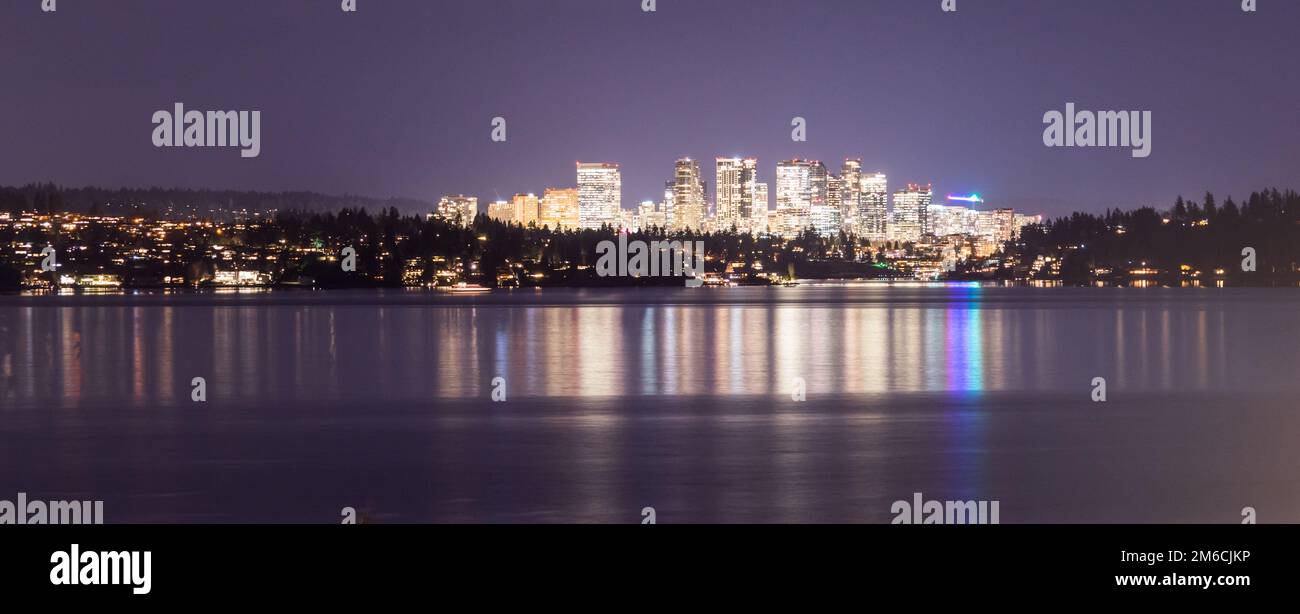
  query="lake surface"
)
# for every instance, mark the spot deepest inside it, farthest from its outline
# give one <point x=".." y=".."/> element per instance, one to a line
<point x="675" y="399"/>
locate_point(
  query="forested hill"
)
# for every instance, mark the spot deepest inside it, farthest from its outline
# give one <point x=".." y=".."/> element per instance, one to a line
<point x="51" y="198"/>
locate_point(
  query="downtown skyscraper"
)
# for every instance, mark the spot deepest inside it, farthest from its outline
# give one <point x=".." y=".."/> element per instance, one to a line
<point x="873" y="208"/>
<point x="740" y="200"/>
<point x="559" y="209"/>
<point x="600" y="194"/>
<point x="824" y="209"/>
<point x="850" y="194"/>
<point x="525" y="208"/>
<point x="689" y="207"/>
<point x="460" y="209"/>
<point x="759" y="216"/>
<point x="912" y="213"/>
<point x="793" y="197"/>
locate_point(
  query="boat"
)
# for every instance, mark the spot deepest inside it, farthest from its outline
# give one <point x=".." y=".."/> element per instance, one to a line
<point x="464" y="288"/>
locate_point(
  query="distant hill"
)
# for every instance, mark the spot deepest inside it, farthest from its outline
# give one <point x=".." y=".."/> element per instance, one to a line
<point x="177" y="201"/>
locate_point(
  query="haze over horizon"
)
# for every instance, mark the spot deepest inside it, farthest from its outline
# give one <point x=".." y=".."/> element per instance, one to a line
<point x="396" y="100"/>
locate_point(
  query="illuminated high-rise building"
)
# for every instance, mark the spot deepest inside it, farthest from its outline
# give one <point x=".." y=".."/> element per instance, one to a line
<point x="526" y="209"/>
<point x="689" y="206"/>
<point x="736" y="194"/>
<point x="559" y="209"/>
<point x="947" y="220"/>
<point x="850" y="195"/>
<point x="873" y="207"/>
<point x="794" y="196"/>
<point x="1005" y="225"/>
<point x="956" y="217"/>
<point x="831" y="218"/>
<point x="729" y="190"/>
<point x="502" y="211"/>
<point x="1020" y="220"/>
<point x="824" y="212"/>
<point x="986" y="225"/>
<point x="600" y="194"/>
<point x="668" y="207"/>
<point x="912" y="212"/>
<point x="650" y="215"/>
<point x="758" y="223"/>
<point x="459" y="209"/>
<point x="626" y="220"/>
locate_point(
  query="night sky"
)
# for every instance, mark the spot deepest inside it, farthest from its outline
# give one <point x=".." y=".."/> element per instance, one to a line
<point x="397" y="99"/>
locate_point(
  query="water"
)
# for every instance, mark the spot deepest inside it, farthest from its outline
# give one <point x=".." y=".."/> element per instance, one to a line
<point x="675" y="399"/>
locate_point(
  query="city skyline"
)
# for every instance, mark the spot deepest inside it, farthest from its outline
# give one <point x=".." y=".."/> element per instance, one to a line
<point x="454" y="244"/>
<point x="807" y="196"/>
<point x="964" y="121"/>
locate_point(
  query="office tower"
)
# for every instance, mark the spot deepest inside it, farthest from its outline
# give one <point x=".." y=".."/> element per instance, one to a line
<point x="502" y="211"/>
<point x="794" y="194"/>
<point x="526" y="209"/>
<point x="668" y="204"/>
<point x="986" y="225"/>
<point x="689" y="207"/>
<point x="873" y="207"/>
<point x="1005" y="225"/>
<point x="600" y="194"/>
<point x="706" y="206"/>
<point x="626" y="220"/>
<point x="559" y="209"/>
<point x="911" y="212"/>
<point x="758" y="212"/>
<point x="459" y="209"/>
<point x="736" y="193"/>
<point x="942" y="220"/>
<point x="661" y="218"/>
<point x="1021" y="220"/>
<point x="828" y="221"/>
<point x="649" y="214"/>
<point x="729" y="192"/>
<point x="824" y="216"/>
<point x="948" y="220"/>
<point x="850" y="194"/>
<point x="970" y="219"/>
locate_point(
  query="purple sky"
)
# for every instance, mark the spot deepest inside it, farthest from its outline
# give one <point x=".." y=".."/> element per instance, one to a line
<point x="397" y="99"/>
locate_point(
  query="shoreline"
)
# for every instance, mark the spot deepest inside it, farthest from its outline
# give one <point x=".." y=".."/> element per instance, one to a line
<point x="808" y="292"/>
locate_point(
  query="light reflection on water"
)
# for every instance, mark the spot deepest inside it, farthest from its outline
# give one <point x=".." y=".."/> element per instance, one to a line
<point x="677" y="400"/>
<point x="146" y="355"/>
